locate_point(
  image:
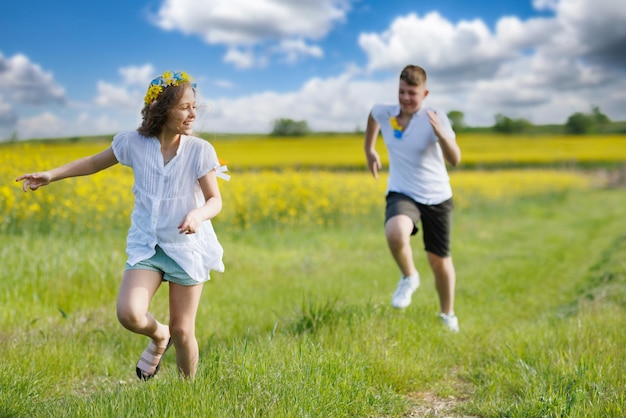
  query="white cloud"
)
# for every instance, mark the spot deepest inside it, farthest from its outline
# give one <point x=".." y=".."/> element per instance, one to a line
<point x="49" y="125"/>
<point x="24" y="82"/>
<point x="139" y="76"/>
<point x="293" y="49"/>
<point x="103" y="124"/>
<point x="8" y="116"/>
<point x="245" y="23"/>
<point x="333" y="104"/>
<point x="127" y="94"/>
<point x="237" y="22"/>
<point x="41" y="126"/>
<point x="524" y="68"/>
<point x="111" y="95"/>
<point x="597" y="29"/>
<point x="543" y="69"/>
<point x="8" y="120"/>
<point x="242" y="59"/>
<point x="545" y="4"/>
<point x="290" y="50"/>
<point x="225" y="84"/>
<point x="585" y="29"/>
<point x="117" y="107"/>
<point x="517" y="35"/>
<point x="436" y="44"/>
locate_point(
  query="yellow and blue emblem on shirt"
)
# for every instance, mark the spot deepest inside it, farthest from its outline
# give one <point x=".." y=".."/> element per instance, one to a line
<point x="397" y="128"/>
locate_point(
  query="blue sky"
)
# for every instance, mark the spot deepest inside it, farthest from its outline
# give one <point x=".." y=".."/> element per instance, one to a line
<point x="70" y="68"/>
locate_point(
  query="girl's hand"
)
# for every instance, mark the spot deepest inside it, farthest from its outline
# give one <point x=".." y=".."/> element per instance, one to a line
<point x="191" y="223"/>
<point x="34" y="181"/>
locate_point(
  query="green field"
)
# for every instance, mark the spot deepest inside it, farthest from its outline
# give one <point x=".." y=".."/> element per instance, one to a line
<point x="300" y="323"/>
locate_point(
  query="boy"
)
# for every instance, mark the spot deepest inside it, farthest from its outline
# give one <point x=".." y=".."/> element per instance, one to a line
<point x="419" y="142"/>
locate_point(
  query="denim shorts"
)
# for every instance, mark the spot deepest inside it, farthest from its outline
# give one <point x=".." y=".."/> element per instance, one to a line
<point x="163" y="264"/>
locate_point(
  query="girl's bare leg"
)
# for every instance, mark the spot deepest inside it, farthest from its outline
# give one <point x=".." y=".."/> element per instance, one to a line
<point x="184" y="302"/>
<point x="136" y="291"/>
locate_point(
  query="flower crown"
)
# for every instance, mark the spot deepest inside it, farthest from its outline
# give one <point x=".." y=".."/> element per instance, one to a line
<point x="163" y="81"/>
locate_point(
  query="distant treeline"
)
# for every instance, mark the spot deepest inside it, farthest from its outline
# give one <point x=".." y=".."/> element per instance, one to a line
<point x="579" y="123"/>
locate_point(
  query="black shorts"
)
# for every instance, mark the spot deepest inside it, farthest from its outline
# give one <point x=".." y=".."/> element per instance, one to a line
<point x="436" y="220"/>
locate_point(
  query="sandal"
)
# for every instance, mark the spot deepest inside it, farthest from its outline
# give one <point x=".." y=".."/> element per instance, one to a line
<point x="150" y="358"/>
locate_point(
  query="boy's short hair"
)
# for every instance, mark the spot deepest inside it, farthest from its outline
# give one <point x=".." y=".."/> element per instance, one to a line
<point x="413" y="75"/>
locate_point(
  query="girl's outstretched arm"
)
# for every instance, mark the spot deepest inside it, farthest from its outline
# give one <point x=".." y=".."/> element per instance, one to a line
<point x="81" y="167"/>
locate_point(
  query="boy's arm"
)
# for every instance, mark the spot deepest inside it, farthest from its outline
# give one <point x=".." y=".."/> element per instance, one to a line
<point x="449" y="147"/>
<point x="371" y="134"/>
<point x="81" y="167"/>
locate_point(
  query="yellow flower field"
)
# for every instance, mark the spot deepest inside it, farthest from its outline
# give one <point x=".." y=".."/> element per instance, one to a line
<point x="346" y="151"/>
<point x="287" y="196"/>
<point x="515" y="150"/>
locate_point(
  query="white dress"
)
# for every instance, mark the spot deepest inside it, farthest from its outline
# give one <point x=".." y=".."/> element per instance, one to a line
<point x="164" y="194"/>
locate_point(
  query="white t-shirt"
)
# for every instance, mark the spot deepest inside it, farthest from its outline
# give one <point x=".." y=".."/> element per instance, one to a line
<point x="164" y="194"/>
<point x="416" y="164"/>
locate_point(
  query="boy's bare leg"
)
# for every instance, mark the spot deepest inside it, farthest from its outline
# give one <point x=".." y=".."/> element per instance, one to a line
<point x="445" y="280"/>
<point x="398" y="232"/>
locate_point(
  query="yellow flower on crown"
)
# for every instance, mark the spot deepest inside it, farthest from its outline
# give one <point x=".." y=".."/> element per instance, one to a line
<point x="152" y="94"/>
<point x="167" y="77"/>
<point x="163" y="81"/>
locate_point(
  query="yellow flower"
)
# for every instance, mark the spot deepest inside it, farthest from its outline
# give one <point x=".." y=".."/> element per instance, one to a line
<point x="167" y="78"/>
<point x="152" y="94"/>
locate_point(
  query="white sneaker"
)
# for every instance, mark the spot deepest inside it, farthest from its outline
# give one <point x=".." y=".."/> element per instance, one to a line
<point x="404" y="291"/>
<point x="450" y="321"/>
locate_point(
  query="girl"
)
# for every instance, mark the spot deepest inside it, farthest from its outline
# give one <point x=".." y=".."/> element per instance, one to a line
<point x="171" y="237"/>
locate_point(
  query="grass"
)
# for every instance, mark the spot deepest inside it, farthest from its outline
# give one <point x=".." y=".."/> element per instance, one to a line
<point x="300" y="323"/>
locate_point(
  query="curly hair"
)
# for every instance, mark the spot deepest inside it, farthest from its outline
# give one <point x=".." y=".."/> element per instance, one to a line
<point x="155" y="114"/>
